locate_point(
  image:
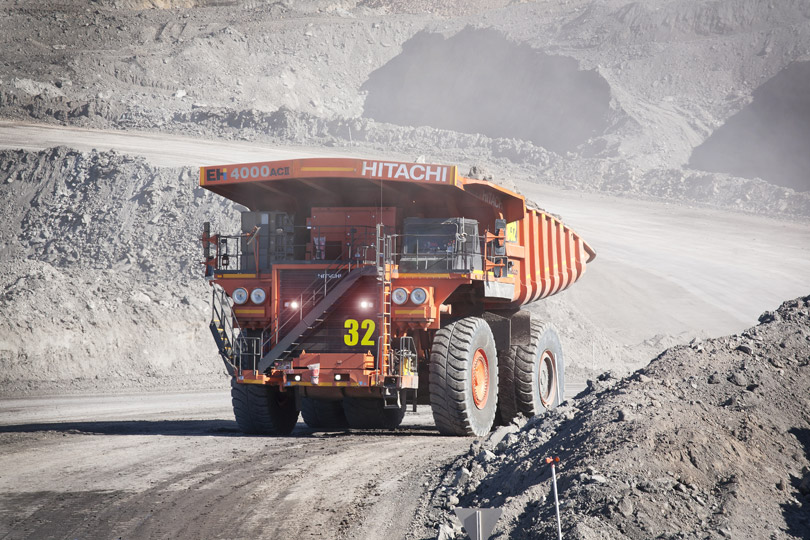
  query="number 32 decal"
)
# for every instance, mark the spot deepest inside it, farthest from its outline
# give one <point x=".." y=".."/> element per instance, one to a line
<point x="352" y="335"/>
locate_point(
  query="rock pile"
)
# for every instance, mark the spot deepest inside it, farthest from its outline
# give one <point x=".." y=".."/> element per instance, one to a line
<point x="711" y="440"/>
<point x="99" y="287"/>
<point x="103" y="211"/>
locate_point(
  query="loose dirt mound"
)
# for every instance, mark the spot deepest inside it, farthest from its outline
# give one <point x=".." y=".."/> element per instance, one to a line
<point x="103" y="211"/>
<point x="710" y="440"/>
<point x="99" y="285"/>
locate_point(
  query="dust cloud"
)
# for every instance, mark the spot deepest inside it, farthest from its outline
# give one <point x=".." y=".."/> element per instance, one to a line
<point x="770" y="137"/>
<point x="477" y="81"/>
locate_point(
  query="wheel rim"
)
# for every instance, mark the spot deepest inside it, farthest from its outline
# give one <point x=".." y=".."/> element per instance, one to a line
<point x="547" y="379"/>
<point x="480" y="379"/>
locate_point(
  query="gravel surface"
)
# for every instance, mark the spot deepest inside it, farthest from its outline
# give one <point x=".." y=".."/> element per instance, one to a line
<point x="168" y="465"/>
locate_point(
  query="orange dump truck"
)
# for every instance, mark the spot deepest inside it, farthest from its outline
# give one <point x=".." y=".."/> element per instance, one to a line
<point x="359" y="287"/>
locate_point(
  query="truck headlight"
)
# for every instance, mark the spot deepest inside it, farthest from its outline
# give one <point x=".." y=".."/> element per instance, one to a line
<point x="258" y="296"/>
<point x="418" y="296"/>
<point x="240" y="296"/>
<point x="399" y="296"/>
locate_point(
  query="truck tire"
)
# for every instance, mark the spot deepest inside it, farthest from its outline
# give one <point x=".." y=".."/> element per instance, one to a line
<point x="507" y="404"/>
<point x="263" y="410"/>
<point x="539" y="371"/>
<point x="364" y="413"/>
<point x="323" y="414"/>
<point x="464" y="378"/>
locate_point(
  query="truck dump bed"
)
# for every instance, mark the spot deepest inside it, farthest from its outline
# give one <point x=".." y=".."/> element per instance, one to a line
<point x="545" y="256"/>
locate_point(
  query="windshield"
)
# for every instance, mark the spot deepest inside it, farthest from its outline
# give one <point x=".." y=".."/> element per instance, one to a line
<point x="440" y="245"/>
<point x="425" y="239"/>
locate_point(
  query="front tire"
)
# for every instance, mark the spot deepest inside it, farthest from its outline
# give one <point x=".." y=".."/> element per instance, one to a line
<point x="464" y="378"/>
<point x="263" y="410"/>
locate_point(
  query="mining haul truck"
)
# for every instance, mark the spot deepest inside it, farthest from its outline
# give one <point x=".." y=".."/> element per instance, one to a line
<point x="358" y="288"/>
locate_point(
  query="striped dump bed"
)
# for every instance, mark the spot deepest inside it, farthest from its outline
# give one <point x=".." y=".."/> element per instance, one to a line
<point x="545" y="255"/>
<point x="554" y="256"/>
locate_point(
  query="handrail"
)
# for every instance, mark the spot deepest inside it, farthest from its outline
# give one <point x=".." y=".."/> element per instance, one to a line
<point x="230" y="256"/>
<point x="224" y="321"/>
<point x="309" y="297"/>
<point x="236" y="345"/>
<point x="459" y="252"/>
<point x="282" y="347"/>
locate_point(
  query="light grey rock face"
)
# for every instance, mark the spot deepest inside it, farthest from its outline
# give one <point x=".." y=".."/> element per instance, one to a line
<point x="97" y="241"/>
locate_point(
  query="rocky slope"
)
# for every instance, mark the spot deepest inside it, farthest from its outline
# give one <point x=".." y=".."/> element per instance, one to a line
<point x="99" y="287"/>
<point x="711" y="440"/>
<point x="596" y="95"/>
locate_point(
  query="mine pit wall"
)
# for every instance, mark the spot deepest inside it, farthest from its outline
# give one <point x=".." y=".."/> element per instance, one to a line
<point x="479" y="82"/>
<point x="655" y="119"/>
<point x="769" y="137"/>
<point x="100" y="286"/>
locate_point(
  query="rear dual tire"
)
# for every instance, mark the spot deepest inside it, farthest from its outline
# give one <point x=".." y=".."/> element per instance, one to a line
<point x="355" y="413"/>
<point x="370" y="413"/>
<point x="323" y="414"/>
<point x="532" y="375"/>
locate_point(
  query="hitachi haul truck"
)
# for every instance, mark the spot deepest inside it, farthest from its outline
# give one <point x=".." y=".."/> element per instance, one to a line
<point x="358" y="288"/>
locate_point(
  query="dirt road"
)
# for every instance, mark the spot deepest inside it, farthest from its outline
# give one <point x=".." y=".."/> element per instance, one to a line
<point x="674" y="269"/>
<point x="175" y="466"/>
<point x="160" y="149"/>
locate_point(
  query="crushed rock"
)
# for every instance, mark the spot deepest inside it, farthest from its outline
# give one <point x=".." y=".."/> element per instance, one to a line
<point x="100" y="288"/>
<point x="710" y="443"/>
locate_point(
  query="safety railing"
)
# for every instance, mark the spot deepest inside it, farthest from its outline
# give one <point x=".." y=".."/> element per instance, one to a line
<point x="257" y="250"/>
<point x="328" y="242"/>
<point x="427" y="253"/>
<point x="312" y="295"/>
<point x="229" y="253"/>
<point x="238" y="348"/>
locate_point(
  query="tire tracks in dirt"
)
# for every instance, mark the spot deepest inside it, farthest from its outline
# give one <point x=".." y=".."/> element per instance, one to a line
<point x="201" y="479"/>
